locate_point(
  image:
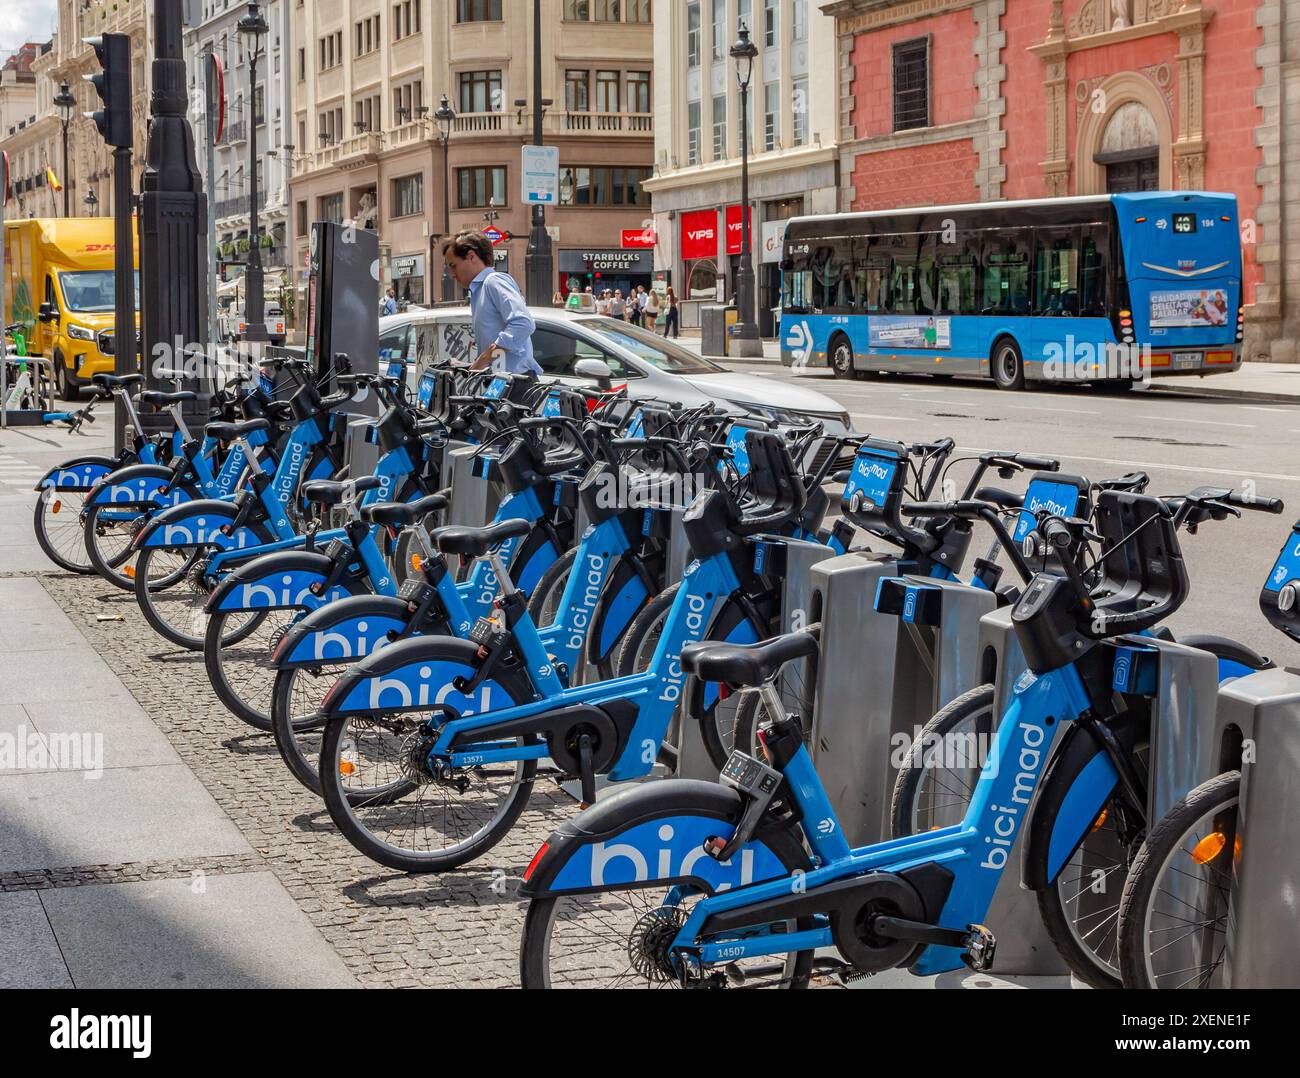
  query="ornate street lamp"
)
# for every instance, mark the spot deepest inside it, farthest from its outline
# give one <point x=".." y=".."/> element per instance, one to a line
<point x="66" y="104"/>
<point x="254" y="25"/>
<point x="748" y="342"/>
<point x="443" y="117"/>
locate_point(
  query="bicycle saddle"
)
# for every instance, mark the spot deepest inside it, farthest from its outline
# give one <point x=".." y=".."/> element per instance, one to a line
<point x="404" y="514"/>
<point x="228" y="432"/>
<point x="475" y="542"/>
<point x="747" y="665"/>
<point x="162" y="400"/>
<point x="116" y="381"/>
<point x="333" y="491"/>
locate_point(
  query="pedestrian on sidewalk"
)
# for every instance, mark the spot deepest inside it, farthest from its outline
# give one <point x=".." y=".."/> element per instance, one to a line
<point x="652" y="311"/>
<point x="672" y="315"/>
<point x="617" y="308"/>
<point x="602" y="303"/>
<point x="497" y="307"/>
<point x="390" y="303"/>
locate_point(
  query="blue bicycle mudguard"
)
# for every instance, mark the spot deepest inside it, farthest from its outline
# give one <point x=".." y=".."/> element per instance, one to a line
<point x="620" y="601"/>
<point x="414" y="675"/>
<point x="530" y="562"/>
<point x="80" y="473"/>
<point x="655" y="832"/>
<point x="138" y="486"/>
<point x="196" y="523"/>
<point x="342" y="631"/>
<point x="284" y="580"/>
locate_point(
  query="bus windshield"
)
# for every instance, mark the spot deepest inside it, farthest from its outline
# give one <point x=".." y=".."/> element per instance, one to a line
<point x="91" y="291"/>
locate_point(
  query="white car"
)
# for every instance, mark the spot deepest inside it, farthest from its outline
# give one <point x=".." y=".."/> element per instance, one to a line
<point x="649" y="365"/>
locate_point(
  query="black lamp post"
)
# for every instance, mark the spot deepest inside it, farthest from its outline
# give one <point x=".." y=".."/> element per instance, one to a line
<point x="444" y="115"/>
<point x="254" y="25"/>
<point x="746" y="338"/>
<point x="91" y="200"/>
<point x="538" y="260"/>
<point x="65" y="103"/>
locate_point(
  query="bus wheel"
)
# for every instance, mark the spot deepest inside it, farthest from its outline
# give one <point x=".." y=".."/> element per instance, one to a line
<point x="841" y="356"/>
<point x="1008" y="366"/>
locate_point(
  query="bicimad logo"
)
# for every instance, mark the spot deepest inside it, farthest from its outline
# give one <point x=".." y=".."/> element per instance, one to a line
<point x="1007" y="820"/>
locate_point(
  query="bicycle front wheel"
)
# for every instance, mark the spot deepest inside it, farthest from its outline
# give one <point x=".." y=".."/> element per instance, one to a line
<point x="59" y="529"/>
<point x="1177" y="900"/>
<point x="171" y="591"/>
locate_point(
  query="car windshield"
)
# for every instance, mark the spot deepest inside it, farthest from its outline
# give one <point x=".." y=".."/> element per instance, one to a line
<point x="649" y="346"/>
<point x="91" y="291"/>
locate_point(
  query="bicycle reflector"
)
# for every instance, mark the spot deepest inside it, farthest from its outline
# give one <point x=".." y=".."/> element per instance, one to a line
<point x="541" y="852"/>
<point x="1209" y="848"/>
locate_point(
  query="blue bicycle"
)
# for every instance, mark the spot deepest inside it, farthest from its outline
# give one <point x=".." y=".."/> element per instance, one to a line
<point x="742" y="882"/>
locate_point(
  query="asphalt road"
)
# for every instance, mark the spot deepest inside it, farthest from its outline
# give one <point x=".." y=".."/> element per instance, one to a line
<point x="1181" y="441"/>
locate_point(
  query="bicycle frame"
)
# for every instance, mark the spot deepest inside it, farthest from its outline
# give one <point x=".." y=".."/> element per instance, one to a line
<point x="977" y="850"/>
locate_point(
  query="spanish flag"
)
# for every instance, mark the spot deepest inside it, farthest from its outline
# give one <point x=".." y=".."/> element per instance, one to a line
<point x="52" y="179"/>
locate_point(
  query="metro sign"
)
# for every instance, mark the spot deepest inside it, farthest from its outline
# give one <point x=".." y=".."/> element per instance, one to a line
<point x="494" y="234"/>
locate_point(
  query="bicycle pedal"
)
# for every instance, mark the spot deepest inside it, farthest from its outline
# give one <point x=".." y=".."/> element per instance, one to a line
<point x="980" y="947"/>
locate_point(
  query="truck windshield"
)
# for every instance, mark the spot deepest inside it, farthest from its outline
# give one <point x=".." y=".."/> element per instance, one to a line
<point x="91" y="291"/>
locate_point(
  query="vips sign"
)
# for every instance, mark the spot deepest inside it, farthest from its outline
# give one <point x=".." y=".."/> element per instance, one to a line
<point x="699" y="234"/>
<point x="733" y="228"/>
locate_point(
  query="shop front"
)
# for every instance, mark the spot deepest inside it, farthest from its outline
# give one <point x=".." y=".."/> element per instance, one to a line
<point x="407" y="274"/>
<point x="600" y="268"/>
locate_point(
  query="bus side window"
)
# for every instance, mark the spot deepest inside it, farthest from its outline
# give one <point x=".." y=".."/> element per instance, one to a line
<point x="1056" y="272"/>
<point x="1093" y="271"/>
<point x="1005" y="264"/>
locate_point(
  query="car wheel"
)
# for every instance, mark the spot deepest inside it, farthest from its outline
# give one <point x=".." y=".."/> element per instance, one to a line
<point x="841" y="357"/>
<point x="1008" y="365"/>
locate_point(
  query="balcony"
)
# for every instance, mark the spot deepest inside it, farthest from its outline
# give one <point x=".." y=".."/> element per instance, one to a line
<point x="353" y="152"/>
<point x="238" y="206"/>
<point x="603" y="123"/>
<point x="482" y="123"/>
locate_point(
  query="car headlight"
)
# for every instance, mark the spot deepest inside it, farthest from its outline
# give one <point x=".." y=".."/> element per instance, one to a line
<point x="80" y="333"/>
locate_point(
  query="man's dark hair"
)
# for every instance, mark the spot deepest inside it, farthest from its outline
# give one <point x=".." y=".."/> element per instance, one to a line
<point x="463" y="243"/>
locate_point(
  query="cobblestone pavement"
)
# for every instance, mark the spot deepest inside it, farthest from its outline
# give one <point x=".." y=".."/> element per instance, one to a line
<point x="392" y="929"/>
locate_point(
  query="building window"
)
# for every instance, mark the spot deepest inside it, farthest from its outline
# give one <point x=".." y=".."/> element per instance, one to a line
<point x="693" y="133"/>
<point x="719" y="29"/>
<point x="771" y="23"/>
<point x="406" y="19"/>
<point x="479" y="186"/>
<point x="577" y="10"/>
<point x="575" y="90"/>
<point x="912" y="84"/>
<point x="366" y="115"/>
<point x="600" y="186"/>
<point x="480" y="91"/>
<point x="638" y="91"/>
<point x="302" y="64"/>
<point x="638" y="10"/>
<point x="331" y="50"/>
<point x="719" y="127"/>
<point x="331" y="208"/>
<point x="408" y="195"/>
<point x="302" y="217"/>
<point x="478" y="10"/>
<point x="693" y="35"/>
<point x="799" y="20"/>
<point x="406" y="99"/>
<point x="799" y="112"/>
<point x="607" y="91"/>
<point x="771" y="115"/>
<point x="609" y="11"/>
<point x="366" y="33"/>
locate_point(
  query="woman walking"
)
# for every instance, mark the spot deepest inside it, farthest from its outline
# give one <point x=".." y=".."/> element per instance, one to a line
<point x="671" y="315"/>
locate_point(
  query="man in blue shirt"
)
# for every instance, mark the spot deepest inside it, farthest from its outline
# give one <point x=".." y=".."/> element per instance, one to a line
<point x="502" y="325"/>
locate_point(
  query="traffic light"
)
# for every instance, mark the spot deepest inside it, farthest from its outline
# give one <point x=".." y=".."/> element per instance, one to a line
<point x="113" y="84"/>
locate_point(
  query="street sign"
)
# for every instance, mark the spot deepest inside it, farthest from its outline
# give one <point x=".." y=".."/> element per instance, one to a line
<point x="494" y="234"/>
<point x="540" y="175"/>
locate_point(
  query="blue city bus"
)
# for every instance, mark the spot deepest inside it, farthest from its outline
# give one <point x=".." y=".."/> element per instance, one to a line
<point x="1100" y="287"/>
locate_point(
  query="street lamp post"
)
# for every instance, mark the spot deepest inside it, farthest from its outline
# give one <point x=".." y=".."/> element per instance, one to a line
<point x="746" y="338"/>
<point x="66" y="104"/>
<point x="254" y="25"/>
<point x="91" y="200"/>
<point x="444" y="115"/>
<point x="538" y="259"/>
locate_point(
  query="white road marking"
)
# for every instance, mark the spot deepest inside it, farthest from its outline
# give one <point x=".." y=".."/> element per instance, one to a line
<point x="1129" y="465"/>
<point x="891" y="418"/>
<point x="1261" y="408"/>
<point x="1200" y="422"/>
<point x="1039" y="408"/>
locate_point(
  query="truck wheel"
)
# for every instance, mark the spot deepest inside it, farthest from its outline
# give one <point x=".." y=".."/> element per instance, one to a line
<point x="67" y="391"/>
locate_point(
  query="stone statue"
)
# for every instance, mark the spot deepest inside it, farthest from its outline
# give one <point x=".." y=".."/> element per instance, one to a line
<point x="1119" y="14"/>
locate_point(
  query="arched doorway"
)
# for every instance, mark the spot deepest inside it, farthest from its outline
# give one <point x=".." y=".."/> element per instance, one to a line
<point x="1130" y="150"/>
<point x="701" y="279"/>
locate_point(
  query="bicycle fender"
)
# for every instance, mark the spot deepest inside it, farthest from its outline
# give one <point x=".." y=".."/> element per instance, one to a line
<point x="414" y="675"/>
<point x="655" y="831"/>
<point x="733" y="626"/>
<point x="620" y="601"/>
<point x="1078" y="782"/>
<point x="531" y="559"/>
<point x="279" y="581"/>
<point x="138" y="486"/>
<point x="80" y="473"/>
<point x="348" y="629"/>
<point x="196" y="523"/>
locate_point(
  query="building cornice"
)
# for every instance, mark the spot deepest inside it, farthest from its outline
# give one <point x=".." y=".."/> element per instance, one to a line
<point x="722" y="171"/>
<point x="854" y="16"/>
<point x="916" y="136"/>
<point x="1060" y="44"/>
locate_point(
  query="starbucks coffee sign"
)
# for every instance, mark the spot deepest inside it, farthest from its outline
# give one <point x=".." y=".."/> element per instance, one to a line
<point x="607" y="261"/>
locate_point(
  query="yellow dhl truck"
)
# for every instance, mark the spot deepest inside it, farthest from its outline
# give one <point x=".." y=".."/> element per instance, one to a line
<point x="59" y="285"/>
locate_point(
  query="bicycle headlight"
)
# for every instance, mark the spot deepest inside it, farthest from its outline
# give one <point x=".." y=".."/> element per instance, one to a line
<point x="80" y="333"/>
